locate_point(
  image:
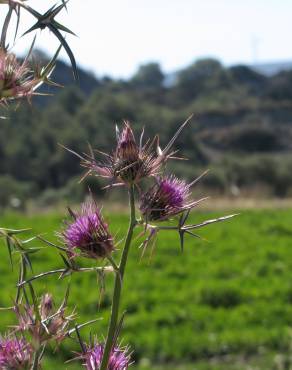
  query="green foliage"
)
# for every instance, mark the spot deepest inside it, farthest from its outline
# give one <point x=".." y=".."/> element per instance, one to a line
<point x="239" y="115"/>
<point x="223" y="304"/>
<point x="148" y="76"/>
<point x="275" y="171"/>
<point x="200" y="78"/>
<point x="14" y="193"/>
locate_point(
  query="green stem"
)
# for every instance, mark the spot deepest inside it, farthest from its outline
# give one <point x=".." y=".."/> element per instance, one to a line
<point x="118" y="285"/>
<point x="36" y="359"/>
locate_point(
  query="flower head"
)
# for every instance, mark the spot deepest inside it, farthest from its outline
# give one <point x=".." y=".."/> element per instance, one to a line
<point x="119" y="358"/>
<point x="15" y="354"/>
<point x="44" y="322"/>
<point x="16" y="80"/>
<point x="168" y="197"/>
<point x="127" y="149"/>
<point x="128" y="162"/>
<point x="88" y="233"/>
<point x="131" y="161"/>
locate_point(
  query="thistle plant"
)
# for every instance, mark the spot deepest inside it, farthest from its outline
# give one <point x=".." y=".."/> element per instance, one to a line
<point x="20" y="79"/>
<point x="164" y="205"/>
<point x="38" y="322"/>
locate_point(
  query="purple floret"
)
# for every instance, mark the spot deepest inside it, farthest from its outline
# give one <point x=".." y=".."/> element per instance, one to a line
<point x="173" y="191"/>
<point x="166" y="198"/>
<point x="15" y="354"/>
<point x="80" y="232"/>
<point x="88" y="233"/>
<point x="119" y="359"/>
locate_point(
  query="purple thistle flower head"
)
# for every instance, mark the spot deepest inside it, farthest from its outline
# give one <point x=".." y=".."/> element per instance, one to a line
<point x="166" y="198"/>
<point x="88" y="233"/>
<point x="15" y="354"/>
<point x="119" y="358"/>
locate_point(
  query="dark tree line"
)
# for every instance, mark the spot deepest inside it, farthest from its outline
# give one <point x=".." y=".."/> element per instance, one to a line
<point x="243" y="120"/>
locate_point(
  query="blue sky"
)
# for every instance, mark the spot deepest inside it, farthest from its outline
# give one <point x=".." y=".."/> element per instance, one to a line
<point x="116" y="36"/>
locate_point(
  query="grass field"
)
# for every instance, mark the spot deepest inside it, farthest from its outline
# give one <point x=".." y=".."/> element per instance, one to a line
<point x="226" y="303"/>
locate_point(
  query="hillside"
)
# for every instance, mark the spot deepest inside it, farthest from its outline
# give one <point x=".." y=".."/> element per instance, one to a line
<point x="242" y="128"/>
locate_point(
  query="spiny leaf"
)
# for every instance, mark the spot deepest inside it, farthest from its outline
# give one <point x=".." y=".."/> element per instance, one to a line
<point x="35" y="302"/>
<point x="47" y="21"/>
<point x="82" y="345"/>
<point x="15" y="232"/>
<point x="83" y="325"/>
<point x="66" y="262"/>
<point x="208" y="222"/>
<point x="5" y="28"/>
<point x="9" y="247"/>
<point x="69" y="52"/>
<point x="65" y="301"/>
<point x="48" y="69"/>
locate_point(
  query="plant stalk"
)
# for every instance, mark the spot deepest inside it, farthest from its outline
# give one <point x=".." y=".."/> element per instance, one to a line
<point x="36" y="359"/>
<point x="111" y="335"/>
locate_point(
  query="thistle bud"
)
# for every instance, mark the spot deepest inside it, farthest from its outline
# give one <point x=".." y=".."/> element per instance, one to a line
<point x="127" y="161"/>
<point x="88" y="233"/>
<point x="46" y="305"/>
<point x="45" y="324"/>
<point x="130" y="162"/>
<point x="57" y="326"/>
<point x="127" y="149"/>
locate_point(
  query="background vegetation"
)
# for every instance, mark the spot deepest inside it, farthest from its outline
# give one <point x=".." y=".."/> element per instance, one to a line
<point x="223" y="304"/>
<point x="241" y="130"/>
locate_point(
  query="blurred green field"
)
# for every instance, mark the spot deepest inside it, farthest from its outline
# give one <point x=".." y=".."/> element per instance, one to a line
<point x="226" y="303"/>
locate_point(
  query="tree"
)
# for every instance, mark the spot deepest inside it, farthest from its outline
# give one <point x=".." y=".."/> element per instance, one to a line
<point x="204" y="74"/>
<point x="148" y="76"/>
